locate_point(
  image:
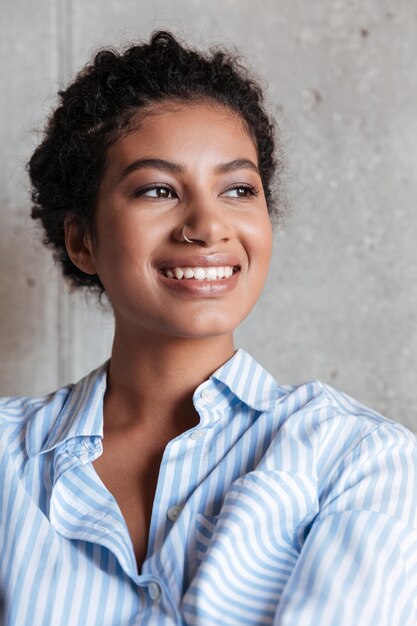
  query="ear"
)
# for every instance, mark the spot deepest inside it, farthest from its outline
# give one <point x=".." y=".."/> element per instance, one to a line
<point x="78" y="243"/>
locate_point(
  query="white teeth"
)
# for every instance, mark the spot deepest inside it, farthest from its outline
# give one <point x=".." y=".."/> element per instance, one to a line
<point x="211" y="273"/>
<point x="200" y="273"/>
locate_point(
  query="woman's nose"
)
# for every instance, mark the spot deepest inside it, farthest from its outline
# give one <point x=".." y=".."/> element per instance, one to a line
<point x="205" y="224"/>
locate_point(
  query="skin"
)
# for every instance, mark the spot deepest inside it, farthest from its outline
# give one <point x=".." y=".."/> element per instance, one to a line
<point x="170" y="338"/>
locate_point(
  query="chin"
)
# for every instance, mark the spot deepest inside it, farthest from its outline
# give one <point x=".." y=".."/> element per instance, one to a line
<point x="198" y="328"/>
<point x="197" y="324"/>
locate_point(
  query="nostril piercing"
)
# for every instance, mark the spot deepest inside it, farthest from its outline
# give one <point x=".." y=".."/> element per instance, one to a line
<point x="184" y="236"/>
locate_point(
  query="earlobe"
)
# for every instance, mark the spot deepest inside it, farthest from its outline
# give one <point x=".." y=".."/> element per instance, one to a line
<point x="79" y="246"/>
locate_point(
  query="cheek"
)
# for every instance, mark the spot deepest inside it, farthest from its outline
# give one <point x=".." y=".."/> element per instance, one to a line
<point x="121" y="242"/>
<point x="258" y="238"/>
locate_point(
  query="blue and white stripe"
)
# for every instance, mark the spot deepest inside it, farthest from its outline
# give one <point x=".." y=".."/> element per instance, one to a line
<point x="298" y="507"/>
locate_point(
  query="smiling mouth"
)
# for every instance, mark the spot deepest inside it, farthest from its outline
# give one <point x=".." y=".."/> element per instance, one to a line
<point x="201" y="273"/>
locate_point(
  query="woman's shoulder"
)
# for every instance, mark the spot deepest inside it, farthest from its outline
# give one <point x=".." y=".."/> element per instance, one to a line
<point x="320" y="430"/>
<point x="309" y="411"/>
<point x="16" y="409"/>
<point x="42" y="420"/>
<point x="18" y="413"/>
<point x="322" y="406"/>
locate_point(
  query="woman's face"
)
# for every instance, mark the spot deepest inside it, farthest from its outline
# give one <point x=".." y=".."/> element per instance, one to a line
<point x="182" y="164"/>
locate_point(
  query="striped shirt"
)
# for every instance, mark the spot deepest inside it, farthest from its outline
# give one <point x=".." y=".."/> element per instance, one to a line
<point x="289" y="506"/>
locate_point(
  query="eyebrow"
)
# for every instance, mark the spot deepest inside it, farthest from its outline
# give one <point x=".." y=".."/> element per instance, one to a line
<point x="176" y="168"/>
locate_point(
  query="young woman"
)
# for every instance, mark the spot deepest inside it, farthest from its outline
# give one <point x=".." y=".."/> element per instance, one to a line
<point x="179" y="483"/>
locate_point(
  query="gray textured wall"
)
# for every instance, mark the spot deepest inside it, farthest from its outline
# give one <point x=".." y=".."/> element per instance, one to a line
<point x="341" y="300"/>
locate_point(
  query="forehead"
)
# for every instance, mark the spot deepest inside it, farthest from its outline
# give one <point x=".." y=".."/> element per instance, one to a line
<point x="191" y="133"/>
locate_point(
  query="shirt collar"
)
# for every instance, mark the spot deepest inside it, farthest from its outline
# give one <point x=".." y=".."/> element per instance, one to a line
<point x="249" y="381"/>
<point x="73" y="411"/>
<point x="77" y="411"/>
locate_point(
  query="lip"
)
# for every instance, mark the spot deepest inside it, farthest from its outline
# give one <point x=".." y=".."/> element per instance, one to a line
<point x="199" y="260"/>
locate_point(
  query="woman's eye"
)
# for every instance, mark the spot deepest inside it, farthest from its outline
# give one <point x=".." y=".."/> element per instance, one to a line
<point x="241" y="191"/>
<point x="156" y="192"/>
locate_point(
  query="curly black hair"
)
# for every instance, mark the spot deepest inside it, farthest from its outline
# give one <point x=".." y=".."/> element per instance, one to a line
<point x="67" y="167"/>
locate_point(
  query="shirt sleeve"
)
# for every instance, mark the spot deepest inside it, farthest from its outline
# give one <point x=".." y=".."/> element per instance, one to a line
<point x="358" y="564"/>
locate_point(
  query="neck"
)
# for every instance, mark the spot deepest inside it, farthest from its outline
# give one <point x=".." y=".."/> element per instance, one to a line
<point x="153" y="377"/>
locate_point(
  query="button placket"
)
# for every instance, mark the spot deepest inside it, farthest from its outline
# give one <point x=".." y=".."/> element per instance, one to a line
<point x="154" y="591"/>
<point x="173" y="512"/>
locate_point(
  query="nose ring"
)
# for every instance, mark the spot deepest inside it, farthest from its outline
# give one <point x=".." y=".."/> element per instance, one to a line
<point x="184" y="236"/>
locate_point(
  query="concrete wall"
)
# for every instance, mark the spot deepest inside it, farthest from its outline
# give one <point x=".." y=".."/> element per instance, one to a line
<point x="341" y="300"/>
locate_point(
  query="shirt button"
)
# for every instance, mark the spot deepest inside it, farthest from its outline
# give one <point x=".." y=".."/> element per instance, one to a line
<point x="207" y="395"/>
<point x="154" y="591"/>
<point x="198" y="434"/>
<point x="173" y="512"/>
